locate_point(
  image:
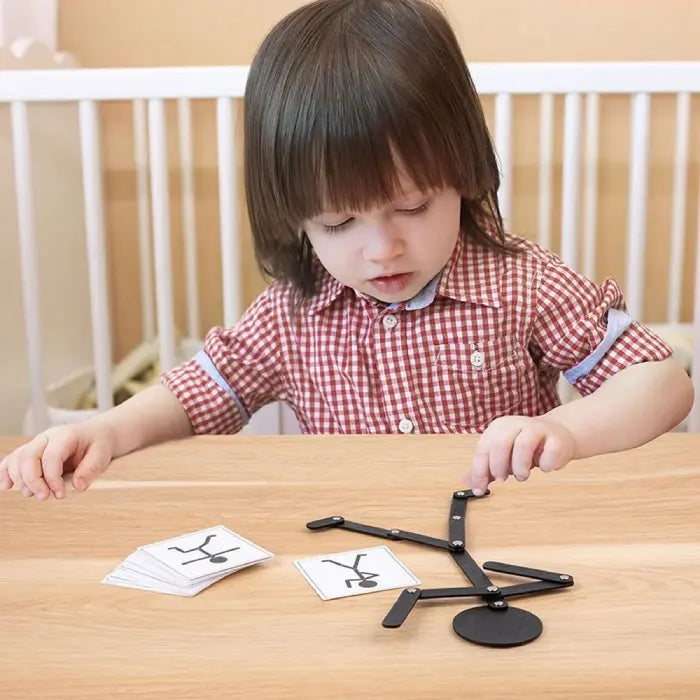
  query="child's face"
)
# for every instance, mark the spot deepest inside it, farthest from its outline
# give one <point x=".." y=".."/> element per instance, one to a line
<point x="392" y="252"/>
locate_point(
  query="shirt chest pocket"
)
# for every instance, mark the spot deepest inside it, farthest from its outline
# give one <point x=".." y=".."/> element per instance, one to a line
<point x="477" y="382"/>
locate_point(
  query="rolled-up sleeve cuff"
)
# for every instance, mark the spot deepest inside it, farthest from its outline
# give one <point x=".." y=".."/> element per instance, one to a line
<point x="634" y="344"/>
<point x="618" y="322"/>
<point x="211" y="405"/>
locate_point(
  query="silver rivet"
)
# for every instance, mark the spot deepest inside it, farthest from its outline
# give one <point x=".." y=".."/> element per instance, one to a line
<point x="492" y="589"/>
<point x="337" y="517"/>
<point x="456" y="517"/>
<point x="457" y="543"/>
<point x="460" y="493"/>
<point x="499" y="603"/>
<point x="394" y="532"/>
<point x="411" y="590"/>
<point x="564" y="577"/>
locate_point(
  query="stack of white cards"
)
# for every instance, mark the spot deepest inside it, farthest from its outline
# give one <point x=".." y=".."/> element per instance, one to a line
<point x="187" y="564"/>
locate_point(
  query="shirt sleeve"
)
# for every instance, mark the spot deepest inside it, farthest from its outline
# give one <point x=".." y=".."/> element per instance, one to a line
<point x="583" y="329"/>
<point x="238" y="371"/>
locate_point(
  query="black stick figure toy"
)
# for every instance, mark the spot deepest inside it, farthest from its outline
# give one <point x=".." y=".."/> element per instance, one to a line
<point x="215" y="558"/>
<point x="364" y="578"/>
<point x="495" y="624"/>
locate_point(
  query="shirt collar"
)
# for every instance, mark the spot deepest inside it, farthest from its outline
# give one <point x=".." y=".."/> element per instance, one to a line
<point x="329" y="289"/>
<point x="471" y="275"/>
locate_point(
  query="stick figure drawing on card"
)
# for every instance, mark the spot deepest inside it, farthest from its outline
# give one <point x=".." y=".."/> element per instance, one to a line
<point x="363" y="577"/>
<point x="214" y="558"/>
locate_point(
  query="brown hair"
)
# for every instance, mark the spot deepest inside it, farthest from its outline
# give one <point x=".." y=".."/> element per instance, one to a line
<point x="337" y="90"/>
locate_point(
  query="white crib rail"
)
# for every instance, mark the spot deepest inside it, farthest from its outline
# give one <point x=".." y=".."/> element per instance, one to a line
<point x="30" y="281"/>
<point x="184" y="119"/>
<point x="97" y="264"/>
<point x="151" y="86"/>
<point x="230" y="247"/>
<point x="143" y="202"/>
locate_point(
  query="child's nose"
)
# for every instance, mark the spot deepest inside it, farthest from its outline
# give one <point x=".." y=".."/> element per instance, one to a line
<point x="382" y="244"/>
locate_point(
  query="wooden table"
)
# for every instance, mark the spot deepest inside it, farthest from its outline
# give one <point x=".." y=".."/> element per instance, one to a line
<point x="627" y="527"/>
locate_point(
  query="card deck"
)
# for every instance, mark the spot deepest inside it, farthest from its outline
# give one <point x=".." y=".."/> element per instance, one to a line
<point x="187" y="564"/>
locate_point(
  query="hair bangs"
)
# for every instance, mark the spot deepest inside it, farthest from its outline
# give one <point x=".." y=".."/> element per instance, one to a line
<point x="364" y="133"/>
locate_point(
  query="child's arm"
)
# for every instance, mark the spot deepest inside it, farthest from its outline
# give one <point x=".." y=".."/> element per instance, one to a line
<point x="36" y="468"/>
<point x="147" y="418"/>
<point x="630" y="408"/>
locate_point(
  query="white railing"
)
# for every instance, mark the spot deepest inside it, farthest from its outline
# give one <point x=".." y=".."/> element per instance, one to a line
<point x="581" y="84"/>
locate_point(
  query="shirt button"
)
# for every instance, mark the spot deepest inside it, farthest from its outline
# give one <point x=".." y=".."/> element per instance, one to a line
<point x="405" y="426"/>
<point x="389" y="321"/>
<point x="477" y="359"/>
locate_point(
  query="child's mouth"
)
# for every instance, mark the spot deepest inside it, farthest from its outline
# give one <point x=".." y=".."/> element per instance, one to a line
<point x="390" y="284"/>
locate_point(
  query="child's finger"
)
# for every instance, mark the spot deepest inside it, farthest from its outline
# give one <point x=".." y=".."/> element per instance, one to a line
<point x="480" y="476"/>
<point x="30" y="468"/>
<point x="501" y="439"/>
<point x="524" y="450"/>
<point x="5" y="480"/>
<point x="501" y="454"/>
<point x="552" y="456"/>
<point x="57" y="451"/>
<point x="33" y="477"/>
<point x="93" y="463"/>
<point x="53" y="474"/>
<point x="14" y="474"/>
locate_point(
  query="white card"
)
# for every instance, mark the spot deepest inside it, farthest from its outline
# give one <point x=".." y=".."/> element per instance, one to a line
<point x="140" y="562"/>
<point x="356" y="572"/>
<point x="136" y="573"/>
<point x="206" y="553"/>
<point x="116" y="578"/>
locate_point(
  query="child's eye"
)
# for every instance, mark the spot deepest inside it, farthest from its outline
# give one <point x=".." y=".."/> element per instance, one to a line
<point x="337" y="227"/>
<point x="417" y="210"/>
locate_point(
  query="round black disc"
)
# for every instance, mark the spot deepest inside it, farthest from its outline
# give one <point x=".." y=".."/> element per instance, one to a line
<point x="497" y="628"/>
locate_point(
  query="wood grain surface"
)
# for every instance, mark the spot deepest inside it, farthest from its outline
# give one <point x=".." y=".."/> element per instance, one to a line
<point x="626" y="526"/>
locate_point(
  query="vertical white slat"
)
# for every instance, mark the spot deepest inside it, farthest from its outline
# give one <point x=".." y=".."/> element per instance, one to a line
<point x="544" y="207"/>
<point x="148" y="330"/>
<point x="694" y="417"/>
<point x="504" y="148"/>
<point x="637" y="204"/>
<point x="571" y="180"/>
<point x="230" y="240"/>
<point x="28" y="263"/>
<point x="188" y="215"/>
<point x="161" y="233"/>
<point x="570" y="198"/>
<point x="97" y="264"/>
<point x="590" y="187"/>
<point x="680" y="181"/>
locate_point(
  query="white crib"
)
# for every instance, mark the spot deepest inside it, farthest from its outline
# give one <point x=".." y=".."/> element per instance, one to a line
<point x="580" y="84"/>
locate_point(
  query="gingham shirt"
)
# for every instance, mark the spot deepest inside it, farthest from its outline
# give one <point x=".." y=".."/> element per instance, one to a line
<point x="488" y="337"/>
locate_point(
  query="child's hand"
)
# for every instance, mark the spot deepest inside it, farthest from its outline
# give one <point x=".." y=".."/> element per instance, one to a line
<point x="516" y="444"/>
<point x="37" y="467"/>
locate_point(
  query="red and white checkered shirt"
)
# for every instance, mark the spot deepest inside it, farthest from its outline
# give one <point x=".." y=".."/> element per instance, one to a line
<point x="488" y="338"/>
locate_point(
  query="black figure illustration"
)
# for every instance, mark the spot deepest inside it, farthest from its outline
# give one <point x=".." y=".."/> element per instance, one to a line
<point x="495" y="624"/>
<point x="363" y="577"/>
<point x="215" y="558"/>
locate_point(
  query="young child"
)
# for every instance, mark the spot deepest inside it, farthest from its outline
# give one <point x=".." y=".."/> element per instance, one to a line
<point x="399" y="304"/>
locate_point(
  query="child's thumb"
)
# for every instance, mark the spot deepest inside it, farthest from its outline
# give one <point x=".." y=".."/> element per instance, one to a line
<point x="93" y="463"/>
